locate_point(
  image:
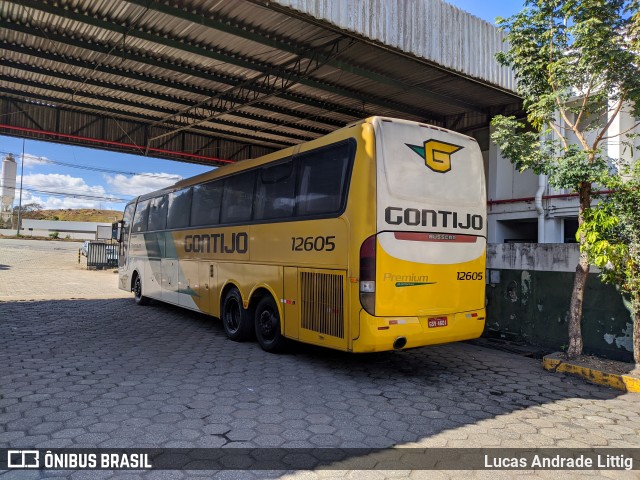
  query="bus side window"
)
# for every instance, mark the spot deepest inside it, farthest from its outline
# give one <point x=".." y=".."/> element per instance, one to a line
<point x="321" y="180"/>
<point x="158" y="213"/>
<point x="140" y="218"/>
<point x="179" y="209"/>
<point x="205" y="206"/>
<point x="126" y="221"/>
<point x="237" y="200"/>
<point x="126" y="226"/>
<point x="275" y="193"/>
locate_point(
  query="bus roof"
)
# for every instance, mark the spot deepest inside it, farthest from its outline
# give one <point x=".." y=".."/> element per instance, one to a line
<point x="284" y="153"/>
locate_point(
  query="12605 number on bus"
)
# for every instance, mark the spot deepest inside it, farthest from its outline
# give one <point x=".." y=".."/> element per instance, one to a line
<point x="470" y="276"/>
<point x="309" y="244"/>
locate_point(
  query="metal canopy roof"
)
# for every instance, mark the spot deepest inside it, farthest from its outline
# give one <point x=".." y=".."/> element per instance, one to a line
<point x="206" y="82"/>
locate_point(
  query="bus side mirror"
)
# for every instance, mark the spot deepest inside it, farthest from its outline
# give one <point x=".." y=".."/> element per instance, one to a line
<point x="116" y="231"/>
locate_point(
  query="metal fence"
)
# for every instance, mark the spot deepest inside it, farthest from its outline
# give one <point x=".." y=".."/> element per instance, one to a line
<point x="102" y="255"/>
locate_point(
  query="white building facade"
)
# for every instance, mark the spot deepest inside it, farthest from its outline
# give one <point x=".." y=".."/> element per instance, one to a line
<point x="523" y="207"/>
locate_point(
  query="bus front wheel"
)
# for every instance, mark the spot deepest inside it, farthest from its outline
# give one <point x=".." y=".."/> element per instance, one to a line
<point x="268" y="332"/>
<point x="137" y="292"/>
<point x="235" y="319"/>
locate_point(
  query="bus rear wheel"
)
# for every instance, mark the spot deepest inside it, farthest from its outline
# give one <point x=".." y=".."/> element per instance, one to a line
<point x="268" y="331"/>
<point x="235" y="319"/>
<point x="137" y="292"/>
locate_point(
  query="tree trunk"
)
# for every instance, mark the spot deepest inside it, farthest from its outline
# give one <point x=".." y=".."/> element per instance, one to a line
<point x="635" y="306"/>
<point x="580" y="280"/>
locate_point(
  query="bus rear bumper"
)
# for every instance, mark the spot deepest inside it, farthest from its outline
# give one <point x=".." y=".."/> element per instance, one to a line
<point x="378" y="334"/>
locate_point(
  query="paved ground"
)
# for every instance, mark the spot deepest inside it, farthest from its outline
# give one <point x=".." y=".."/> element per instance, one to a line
<point x="38" y="269"/>
<point x="83" y="366"/>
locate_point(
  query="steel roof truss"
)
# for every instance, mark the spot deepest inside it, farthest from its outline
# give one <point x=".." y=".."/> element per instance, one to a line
<point x="179" y="87"/>
<point x="192" y="116"/>
<point x="220" y="55"/>
<point x="102" y="109"/>
<point x="127" y="103"/>
<point x="277" y="80"/>
<point x="119" y="53"/>
<point x="251" y="32"/>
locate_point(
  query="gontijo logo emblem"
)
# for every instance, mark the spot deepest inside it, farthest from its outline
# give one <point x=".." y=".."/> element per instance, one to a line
<point x="437" y="155"/>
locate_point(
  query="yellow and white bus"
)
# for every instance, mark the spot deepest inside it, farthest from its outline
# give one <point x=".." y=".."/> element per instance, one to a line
<point x="371" y="238"/>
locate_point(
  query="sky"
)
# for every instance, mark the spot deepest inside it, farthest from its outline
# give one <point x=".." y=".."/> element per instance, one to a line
<point x="93" y="178"/>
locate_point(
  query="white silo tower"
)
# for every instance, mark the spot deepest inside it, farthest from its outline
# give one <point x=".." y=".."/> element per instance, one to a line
<point x="7" y="186"/>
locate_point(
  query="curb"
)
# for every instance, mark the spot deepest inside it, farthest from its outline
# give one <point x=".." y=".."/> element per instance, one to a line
<point x="626" y="383"/>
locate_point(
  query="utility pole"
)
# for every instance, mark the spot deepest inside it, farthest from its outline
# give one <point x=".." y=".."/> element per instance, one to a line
<point x="20" y="199"/>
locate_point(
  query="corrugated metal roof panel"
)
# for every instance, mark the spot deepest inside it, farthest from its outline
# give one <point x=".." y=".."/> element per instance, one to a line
<point x="431" y="29"/>
<point x="250" y="71"/>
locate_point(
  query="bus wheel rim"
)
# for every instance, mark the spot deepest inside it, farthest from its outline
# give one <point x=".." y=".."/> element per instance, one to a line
<point x="232" y="316"/>
<point x="268" y="322"/>
<point x="137" y="289"/>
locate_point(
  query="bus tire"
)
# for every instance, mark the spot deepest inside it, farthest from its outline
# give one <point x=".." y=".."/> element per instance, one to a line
<point x="268" y="326"/>
<point x="137" y="292"/>
<point x="235" y="319"/>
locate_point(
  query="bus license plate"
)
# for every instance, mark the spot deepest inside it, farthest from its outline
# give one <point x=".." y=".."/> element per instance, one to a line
<point x="437" y="322"/>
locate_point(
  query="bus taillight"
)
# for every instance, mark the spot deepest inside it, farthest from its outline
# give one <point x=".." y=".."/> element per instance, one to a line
<point x="368" y="274"/>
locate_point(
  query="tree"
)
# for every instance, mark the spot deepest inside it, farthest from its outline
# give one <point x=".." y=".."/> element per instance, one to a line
<point x="576" y="67"/>
<point x="27" y="208"/>
<point x="612" y="241"/>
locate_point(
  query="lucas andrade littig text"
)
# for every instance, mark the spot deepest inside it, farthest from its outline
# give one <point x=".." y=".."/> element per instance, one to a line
<point x="607" y="462"/>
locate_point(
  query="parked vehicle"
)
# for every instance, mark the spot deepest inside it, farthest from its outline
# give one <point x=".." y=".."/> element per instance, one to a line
<point x="371" y="238"/>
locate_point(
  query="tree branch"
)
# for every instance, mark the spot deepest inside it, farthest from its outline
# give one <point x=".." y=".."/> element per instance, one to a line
<point x="572" y="127"/>
<point x="584" y="101"/>
<point x="616" y="111"/>
<point x="621" y="133"/>
<point x="557" y="130"/>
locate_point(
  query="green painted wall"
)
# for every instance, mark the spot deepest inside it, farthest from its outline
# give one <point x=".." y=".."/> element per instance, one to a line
<point x="532" y="306"/>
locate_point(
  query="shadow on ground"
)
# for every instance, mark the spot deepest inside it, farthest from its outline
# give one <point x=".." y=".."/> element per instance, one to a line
<point x="108" y="373"/>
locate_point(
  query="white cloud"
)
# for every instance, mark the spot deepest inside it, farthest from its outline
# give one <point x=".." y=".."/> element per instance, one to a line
<point x="141" y="183"/>
<point x="33" y="160"/>
<point x="30" y="160"/>
<point x="75" y="192"/>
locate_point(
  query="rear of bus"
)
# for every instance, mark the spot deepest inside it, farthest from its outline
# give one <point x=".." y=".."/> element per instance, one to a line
<point x="422" y="275"/>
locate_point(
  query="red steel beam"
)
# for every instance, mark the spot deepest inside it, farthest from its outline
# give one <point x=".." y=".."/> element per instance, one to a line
<point x="113" y="143"/>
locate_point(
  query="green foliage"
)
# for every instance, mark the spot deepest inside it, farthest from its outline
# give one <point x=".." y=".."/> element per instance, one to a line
<point x="562" y="49"/>
<point x="612" y="232"/>
<point x="54" y="235"/>
<point x="576" y="66"/>
<point x="567" y="167"/>
<point x="575" y="63"/>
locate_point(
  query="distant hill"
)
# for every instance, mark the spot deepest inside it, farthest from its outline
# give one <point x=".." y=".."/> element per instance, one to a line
<point x="76" y="215"/>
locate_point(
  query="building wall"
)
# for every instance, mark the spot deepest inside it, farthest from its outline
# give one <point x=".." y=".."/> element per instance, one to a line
<point x="512" y="214"/>
<point x="75" y="230"/>
<point x="528" y="292"/>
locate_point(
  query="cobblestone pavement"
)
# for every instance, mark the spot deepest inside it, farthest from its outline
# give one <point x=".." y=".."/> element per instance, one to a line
<point x="104" y="372"/>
